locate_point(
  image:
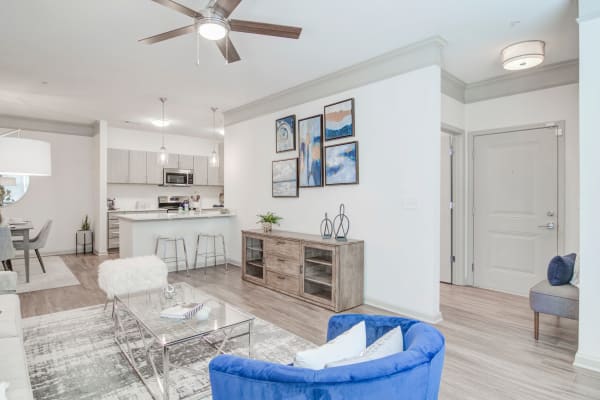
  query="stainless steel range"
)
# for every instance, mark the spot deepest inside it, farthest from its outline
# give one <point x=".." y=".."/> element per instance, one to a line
<point x="172" y="203"/>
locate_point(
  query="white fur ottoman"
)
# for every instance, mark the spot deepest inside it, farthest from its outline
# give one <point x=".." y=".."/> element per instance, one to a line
<point x="131" y="275"/>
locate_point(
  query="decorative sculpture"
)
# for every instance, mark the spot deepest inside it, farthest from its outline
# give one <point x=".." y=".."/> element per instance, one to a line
<point x="341" y="225"/>
<point x="326" y="227"/>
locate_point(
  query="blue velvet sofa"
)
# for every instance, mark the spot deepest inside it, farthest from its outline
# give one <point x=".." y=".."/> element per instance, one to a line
<point x="410" y="375"/>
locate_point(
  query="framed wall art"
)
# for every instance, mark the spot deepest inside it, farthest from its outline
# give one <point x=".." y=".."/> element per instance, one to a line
<point x="285" y="134"/>
<point x="341" y="164"/>
<point x="285" y="178"/>
<point x="310" y="148"/>
<point x="339" y="119"/>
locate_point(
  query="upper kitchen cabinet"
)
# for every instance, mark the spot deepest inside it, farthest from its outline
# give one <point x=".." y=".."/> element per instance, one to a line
<point x="200" y="170"/>
<point x="154" y="169"/>
<point x="118" y="166"/>
<point x="173" y="161"/>
<point x="215" y="174"/>
<point x="186" y="162"/>
<point x="137" y="167"/>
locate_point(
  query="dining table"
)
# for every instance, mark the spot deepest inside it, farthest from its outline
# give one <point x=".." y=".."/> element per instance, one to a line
<point x="22" y="229"/>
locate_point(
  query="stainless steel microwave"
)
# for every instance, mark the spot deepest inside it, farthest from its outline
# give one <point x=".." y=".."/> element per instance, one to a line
<point x="178" y="177"/>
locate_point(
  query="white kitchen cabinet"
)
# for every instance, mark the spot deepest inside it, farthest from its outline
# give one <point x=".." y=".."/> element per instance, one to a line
<point x="200" y="170"/>
<point x="137" y="166"/>
<point x="186" y="162"/>
<point x="117" y="166"/>
<point x="173" y="161"/>
<point x="154" y="169"/>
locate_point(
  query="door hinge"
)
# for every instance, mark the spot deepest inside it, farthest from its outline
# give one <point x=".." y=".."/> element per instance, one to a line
<point x="473" y="211"/>
<point x="473" y="267"/>
<point x="452" y="259"/>
<point x="451" y="151"/>
<point x="451" y="205"/>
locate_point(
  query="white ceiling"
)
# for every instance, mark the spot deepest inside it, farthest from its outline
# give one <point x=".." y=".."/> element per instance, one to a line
<point x="87" y="51"/>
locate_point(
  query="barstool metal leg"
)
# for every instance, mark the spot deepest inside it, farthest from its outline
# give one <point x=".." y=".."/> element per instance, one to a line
<point x="206" y="255"/>
<point x="176" y="258"/>
<point x="197" y="249"/>
<point x="225" y="253"/>
<point x="215" y="250"/>
<point x="185" y="256"/>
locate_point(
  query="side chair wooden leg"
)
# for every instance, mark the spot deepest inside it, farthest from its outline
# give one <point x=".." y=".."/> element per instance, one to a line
<point x="536" y="325"/>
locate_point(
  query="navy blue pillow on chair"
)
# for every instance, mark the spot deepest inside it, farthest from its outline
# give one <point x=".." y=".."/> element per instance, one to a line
<point x="560" y="269"/>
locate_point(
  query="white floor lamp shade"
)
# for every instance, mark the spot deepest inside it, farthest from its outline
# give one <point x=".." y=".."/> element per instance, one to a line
<point x="20" y="156"/>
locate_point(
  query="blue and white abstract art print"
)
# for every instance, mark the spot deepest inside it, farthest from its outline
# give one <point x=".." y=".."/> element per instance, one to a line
<point x="341" y="164"/>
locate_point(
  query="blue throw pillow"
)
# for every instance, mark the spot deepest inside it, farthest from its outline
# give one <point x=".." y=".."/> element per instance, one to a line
<point x="560" y="269"/>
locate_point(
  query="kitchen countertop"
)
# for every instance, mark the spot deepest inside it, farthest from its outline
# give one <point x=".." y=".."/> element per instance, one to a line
<point x="173" y="216"/>
<point x="145" y="210"/>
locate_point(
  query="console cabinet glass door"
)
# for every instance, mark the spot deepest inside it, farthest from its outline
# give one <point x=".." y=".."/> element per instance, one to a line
<point x="318" y="276"/>
<point x="254" y="265"/>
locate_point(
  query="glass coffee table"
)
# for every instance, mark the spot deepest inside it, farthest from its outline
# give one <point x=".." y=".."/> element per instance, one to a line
<point x="139" y="327"/>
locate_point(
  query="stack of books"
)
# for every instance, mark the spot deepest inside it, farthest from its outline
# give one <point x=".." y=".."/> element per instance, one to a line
<point x="182" y="311"/>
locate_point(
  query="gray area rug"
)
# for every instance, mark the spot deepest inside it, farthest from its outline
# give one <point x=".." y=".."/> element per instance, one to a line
<point x="57" y="274"/>
<point x="72" y="356"/>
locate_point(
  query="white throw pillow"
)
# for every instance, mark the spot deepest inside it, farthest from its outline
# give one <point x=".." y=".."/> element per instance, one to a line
<point x="349" y="344"/>
<point x="390" y="343"/>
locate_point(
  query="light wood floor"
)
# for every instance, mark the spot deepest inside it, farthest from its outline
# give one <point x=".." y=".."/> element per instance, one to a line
<point x="491" y="353"/>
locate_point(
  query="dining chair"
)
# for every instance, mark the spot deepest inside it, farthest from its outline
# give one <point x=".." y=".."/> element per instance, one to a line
<point x="7" y="251"/>
<point x="37" y="242"/>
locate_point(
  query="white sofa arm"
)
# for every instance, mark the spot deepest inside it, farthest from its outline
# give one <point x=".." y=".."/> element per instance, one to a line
<point x="8" y="282"/>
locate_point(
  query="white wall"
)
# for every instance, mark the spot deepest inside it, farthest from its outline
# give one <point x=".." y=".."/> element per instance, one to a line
<point x="453" y="112"/>
<point x="395" y="208"/>
<point x="66" y="196"/>
<point x="588" y="354"/>
<point x="554" y="104"/>
<point x="130" y="139"/>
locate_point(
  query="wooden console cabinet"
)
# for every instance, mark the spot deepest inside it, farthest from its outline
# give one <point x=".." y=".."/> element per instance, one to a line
<point x="327" y="273"/>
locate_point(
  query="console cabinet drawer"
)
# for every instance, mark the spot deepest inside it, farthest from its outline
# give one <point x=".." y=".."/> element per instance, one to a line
<point x="282" y="264"/>
<point x="288" y="249"/>
<point x="285" y="283"/>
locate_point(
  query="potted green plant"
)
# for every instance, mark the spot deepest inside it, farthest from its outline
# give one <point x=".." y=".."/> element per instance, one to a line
<point x="85" y="225"/>
<point x="267" y="220"/>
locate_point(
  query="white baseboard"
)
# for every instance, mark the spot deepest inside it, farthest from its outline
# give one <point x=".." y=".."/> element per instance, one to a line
<point x="432" y="319"/>
<point x="587" y="362"/>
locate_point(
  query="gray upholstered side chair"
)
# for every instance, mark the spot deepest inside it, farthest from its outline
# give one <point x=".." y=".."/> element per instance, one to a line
<point x="562" y="301"/>
<point x="37" y="243"/>
<point x="7" y="251"/>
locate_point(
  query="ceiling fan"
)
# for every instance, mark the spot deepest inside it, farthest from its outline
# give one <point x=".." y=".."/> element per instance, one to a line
<point x="213" y="24"/>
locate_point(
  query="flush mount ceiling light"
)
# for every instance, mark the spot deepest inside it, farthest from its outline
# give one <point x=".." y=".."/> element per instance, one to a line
<point x="523" y="55"/>
<point x="212" y="27"/>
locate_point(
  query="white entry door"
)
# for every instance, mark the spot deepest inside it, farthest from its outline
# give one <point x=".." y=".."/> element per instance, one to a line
<point x="515" y="180"/>
<point x="445" y="209"/>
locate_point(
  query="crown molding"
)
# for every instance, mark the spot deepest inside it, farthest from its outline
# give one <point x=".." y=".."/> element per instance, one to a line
<point x="552" y="75"/>
<point x="46" y="125"/>
<point x="409" y="58"/>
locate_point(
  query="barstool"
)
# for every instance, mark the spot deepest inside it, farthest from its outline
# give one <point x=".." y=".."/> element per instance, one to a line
<point x="165" y="240"/>
<point x="210" y="254"/>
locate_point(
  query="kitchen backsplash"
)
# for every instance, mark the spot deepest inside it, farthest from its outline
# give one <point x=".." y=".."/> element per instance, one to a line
<point x="133" y="197"/>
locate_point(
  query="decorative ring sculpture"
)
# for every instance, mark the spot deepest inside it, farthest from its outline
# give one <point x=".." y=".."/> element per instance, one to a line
<point x="326" y="228"/>
<point x="341" y="225"/>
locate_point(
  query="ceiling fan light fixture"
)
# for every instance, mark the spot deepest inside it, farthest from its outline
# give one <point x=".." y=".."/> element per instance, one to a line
<point x="213" y="27"/>
<point x="159" y="123"/>
<point x="523" y="55"/>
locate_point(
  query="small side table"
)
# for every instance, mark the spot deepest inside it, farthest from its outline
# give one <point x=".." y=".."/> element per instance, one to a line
<point x="87" y="239"/>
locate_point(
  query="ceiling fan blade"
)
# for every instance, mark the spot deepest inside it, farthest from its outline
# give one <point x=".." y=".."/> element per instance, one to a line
<point x="228" y="50"/>
<point x="169" y="35"/>
<point x="260" y="28"/>
<point x="226" y="7"/>
<point x="179" y="8"/>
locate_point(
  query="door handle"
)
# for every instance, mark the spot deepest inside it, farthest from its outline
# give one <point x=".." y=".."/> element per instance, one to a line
<point x="549" y="225"/>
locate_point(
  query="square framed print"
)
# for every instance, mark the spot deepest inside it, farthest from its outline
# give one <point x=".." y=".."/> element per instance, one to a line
<point x="310" y="147"/>
<point x="339" y="119"/>
<point x="285" y="134"/>
<point x="285" y="178"/>
<point x="341" y="164"/>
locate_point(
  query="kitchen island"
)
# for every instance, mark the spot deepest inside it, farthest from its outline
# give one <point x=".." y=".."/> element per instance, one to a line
<point x="138" y="233"/>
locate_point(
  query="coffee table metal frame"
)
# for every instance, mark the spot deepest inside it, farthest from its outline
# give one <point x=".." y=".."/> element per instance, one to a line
<point x="122" y="338"/>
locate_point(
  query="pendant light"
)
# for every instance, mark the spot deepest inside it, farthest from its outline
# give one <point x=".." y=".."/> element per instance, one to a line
<point x="214" y="157"/>
<point x="164" y="156"/>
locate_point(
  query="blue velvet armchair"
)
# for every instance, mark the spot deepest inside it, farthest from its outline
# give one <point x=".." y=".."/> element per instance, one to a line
<point x="410" y="375"/>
